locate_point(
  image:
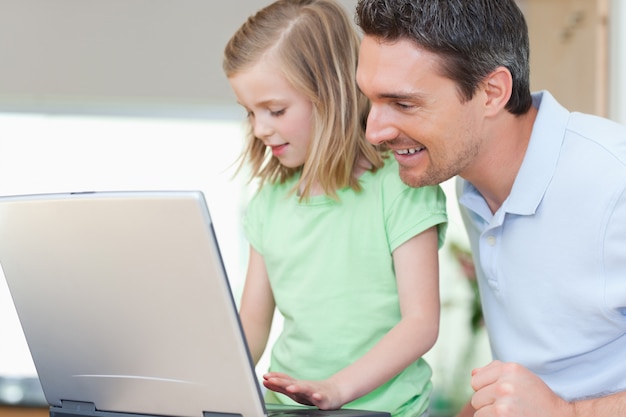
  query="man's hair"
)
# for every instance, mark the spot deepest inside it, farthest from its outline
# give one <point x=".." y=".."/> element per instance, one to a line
<point x="471" y="37"/>
<point x="316" y="46"/>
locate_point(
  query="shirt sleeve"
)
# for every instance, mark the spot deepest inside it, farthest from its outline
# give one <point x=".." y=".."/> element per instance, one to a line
<point x="253" y="221"/>
<point x="614" y="250"/>
<point x="409" y="211"/>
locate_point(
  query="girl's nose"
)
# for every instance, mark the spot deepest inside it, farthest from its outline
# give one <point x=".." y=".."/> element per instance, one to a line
<point x="262" y="129"/>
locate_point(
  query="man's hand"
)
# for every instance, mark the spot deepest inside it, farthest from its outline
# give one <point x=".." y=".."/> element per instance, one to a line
<point x="322" y="394"/>
<point x="511" y="390"/>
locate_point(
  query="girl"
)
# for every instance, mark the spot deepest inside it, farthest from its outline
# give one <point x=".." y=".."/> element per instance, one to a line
<point x="338" y="244"/>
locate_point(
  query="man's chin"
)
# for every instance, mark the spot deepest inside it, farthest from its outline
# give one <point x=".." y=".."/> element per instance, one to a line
<point x="411" y="180"/>
<point x="416" y="181"/>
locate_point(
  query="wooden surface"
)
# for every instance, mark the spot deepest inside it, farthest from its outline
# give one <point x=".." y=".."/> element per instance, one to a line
<point x="569" y="51"/>
<point x="6" y="411"/>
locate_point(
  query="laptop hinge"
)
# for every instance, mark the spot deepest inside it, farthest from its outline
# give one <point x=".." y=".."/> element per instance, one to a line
<point x="73" y="408"/>
<point x="86" y="409"/>
<point x="214" y="414"/>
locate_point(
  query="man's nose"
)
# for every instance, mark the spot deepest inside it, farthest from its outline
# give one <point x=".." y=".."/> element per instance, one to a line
<point x="378" y="129"/>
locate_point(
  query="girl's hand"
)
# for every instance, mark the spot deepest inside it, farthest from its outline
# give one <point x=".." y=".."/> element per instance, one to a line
<point x="322" y="394"/>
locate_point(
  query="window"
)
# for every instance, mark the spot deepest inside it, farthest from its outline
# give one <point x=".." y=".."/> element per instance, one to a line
<point x="43" y="153"/>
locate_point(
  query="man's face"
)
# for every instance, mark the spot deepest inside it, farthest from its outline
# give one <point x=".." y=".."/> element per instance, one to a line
<point x="417" y="112"/>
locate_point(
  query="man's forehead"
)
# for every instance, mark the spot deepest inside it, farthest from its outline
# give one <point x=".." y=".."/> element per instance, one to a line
<point x="382" y="60"/>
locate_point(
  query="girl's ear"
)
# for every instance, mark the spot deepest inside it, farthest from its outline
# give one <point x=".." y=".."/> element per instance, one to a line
<point x="498" y="88"/>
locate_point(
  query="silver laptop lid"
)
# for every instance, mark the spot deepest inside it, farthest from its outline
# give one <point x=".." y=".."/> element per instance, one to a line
<point x="124" y="302"/>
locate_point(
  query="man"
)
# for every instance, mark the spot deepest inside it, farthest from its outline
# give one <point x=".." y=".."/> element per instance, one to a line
<point x="542" y="192"/>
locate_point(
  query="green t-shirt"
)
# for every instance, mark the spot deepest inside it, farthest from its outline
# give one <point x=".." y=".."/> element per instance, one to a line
<point x="330" y="267"/>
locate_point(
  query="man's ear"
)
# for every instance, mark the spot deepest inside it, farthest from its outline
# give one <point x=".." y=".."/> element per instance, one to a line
<point x="497" y="87"/>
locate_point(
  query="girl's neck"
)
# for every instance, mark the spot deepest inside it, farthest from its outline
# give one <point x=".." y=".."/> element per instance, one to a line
<point x="362" y="165"/>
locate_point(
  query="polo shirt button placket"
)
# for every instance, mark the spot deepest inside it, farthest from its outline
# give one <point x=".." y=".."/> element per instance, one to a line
<point x="488" y="254"/>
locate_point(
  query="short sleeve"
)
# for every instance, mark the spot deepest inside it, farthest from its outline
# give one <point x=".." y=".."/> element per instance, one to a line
<point x="409" y="211"/>
<point x="253" y="221"/>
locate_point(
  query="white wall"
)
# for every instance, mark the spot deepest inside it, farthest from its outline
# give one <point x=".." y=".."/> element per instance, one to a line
<point x="155" y="57"/>
<point x="40" y="153"/>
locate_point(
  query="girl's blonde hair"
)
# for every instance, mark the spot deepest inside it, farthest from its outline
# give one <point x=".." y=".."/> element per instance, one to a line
<point x="316" y="46"/>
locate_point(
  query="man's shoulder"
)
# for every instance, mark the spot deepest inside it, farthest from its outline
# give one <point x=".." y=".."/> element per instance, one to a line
<point x="598" y="128"/>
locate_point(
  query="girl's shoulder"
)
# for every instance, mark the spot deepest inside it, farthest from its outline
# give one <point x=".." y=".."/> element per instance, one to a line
<point x="388" y="176"/>
<point x="270" y="192"/>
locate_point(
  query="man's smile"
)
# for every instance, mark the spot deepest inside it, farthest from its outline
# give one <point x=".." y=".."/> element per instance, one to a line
<point x="409" y="151"/>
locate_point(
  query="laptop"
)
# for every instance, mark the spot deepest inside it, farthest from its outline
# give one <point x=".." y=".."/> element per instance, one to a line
<point x="127" y="309"/>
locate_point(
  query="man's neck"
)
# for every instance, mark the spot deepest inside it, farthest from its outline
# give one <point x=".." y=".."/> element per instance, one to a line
<point x="494" y="172"/>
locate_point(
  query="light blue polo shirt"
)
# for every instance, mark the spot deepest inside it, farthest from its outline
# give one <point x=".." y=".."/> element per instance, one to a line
<point x="552" y="260"/>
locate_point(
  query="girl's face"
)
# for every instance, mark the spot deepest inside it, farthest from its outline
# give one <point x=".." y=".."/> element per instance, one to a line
<point x="280" y="116"/>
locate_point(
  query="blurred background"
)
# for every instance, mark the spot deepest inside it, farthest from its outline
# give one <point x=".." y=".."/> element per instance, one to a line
<point x="129" y="94"/>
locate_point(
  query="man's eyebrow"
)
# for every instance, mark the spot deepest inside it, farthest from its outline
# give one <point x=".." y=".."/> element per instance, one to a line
<point x="414" y="96"/>
<point x="400" y="95"/>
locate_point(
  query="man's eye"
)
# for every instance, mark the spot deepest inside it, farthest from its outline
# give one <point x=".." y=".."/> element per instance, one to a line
<point x="404" y="106"/>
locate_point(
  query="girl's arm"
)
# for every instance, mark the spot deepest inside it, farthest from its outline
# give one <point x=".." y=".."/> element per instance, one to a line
<point x="417" y="273"/>
<point x="256" y="309"/>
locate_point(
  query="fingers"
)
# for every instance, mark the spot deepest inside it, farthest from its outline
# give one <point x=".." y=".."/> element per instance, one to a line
<point x="278" y="382"/>
<point x="287" y="385"/>
<point x="490" y="384"/>
<point x="506" y="389"/>
<point x="304" y="392"/>
<point x="487" y="375"/>
<point x="501" y="393"/>
<point x="276" y="375"/>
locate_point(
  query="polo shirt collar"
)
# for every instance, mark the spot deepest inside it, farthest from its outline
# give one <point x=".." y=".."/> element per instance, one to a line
<point x="537" y="167"/>
<point x="542" y="156"/>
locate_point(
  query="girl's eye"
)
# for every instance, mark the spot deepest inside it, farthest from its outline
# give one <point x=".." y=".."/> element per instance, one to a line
<point x="249" y="113"/>
<point x="277" y="112"/>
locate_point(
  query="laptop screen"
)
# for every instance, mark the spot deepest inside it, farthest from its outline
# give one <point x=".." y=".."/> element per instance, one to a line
<point x="125" y="303"/>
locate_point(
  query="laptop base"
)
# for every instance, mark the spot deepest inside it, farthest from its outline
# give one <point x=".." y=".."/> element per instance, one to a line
<point x="84" y="409"/>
